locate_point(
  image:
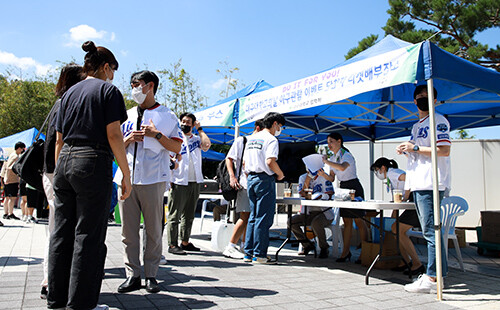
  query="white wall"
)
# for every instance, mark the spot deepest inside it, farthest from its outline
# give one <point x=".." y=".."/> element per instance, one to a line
<point x="475" y="173"/>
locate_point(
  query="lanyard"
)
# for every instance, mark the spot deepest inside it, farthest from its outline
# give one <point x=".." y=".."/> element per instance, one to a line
<point x="338" y="157"/>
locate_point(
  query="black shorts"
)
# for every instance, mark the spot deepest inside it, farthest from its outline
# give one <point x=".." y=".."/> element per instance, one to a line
<point x="22" y="188"/>
<point x="11" y="189"/>
<point x="356" y="185"/>
<point x="410" y="217"/>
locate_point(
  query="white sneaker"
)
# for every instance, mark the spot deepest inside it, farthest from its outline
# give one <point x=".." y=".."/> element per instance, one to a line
<point x="163" y="260"/>
<point x="423" y="284"/>
<point x="232" y="252"/>
<point x="101" y="307"/>
<point x="24" y="218"/>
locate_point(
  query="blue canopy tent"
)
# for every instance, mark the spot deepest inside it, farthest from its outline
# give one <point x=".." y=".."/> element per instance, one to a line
<point x="26" y="136"/>
<point x="370" y="97"/>
<point x="212" y="155"/>
<point x="220" y="120"/>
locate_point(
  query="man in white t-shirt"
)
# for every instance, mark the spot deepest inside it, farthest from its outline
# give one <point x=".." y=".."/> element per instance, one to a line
<point x="261" y="154"/>
<point x="185" y="190"/>
<point x="150" y="134"/>
<point x="239" y="182"/>
<point x="419" y="180"/>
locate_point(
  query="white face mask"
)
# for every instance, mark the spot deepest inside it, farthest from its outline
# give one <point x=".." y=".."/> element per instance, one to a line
<point x="108" y="79"/>
<point x="380" y="175"/>
<point x="138" y="96"/>
<point x="277" y="132"/>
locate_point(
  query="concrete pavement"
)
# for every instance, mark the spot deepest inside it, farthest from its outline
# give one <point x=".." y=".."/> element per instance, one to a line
<point x="209" y="280"/>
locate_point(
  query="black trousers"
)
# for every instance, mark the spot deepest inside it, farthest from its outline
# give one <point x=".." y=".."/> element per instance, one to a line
<point x="82" y="186"/>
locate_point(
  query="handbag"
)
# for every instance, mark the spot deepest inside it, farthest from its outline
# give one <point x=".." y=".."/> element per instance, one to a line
<point x="29" y="166"/>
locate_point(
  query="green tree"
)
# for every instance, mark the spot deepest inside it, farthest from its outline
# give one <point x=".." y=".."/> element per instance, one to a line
<point x="463" y="134"/>
<point x="227" y="74"/>
<point x="452" y="25"/>
<point x="179" y="90"/>
<point x="24" y="104"/>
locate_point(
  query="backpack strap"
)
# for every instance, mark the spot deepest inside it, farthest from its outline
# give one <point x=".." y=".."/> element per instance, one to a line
<point x="241" y="159"/>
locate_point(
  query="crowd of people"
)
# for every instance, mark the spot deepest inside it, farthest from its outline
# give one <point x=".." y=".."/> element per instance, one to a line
<point x="156" y="151"/>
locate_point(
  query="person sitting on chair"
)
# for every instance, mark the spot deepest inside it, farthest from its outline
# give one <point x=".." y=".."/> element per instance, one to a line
<point x="316" y="217"/>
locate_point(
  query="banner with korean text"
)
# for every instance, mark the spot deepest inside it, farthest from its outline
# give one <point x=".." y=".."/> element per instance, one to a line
<point x="385" y="70"/>
<point x="217" y="115"/>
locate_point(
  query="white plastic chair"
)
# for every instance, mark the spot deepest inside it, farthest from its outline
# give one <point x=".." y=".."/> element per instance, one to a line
<point x="451" y="208"/>
<point x="204" y="211"/>
<point x="335" y="236"/>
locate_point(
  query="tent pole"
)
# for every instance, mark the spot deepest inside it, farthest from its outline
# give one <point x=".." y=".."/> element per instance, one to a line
<point x="371" y="145"/>
<point x="236" y="130"/>
<point x="435" y="189"/>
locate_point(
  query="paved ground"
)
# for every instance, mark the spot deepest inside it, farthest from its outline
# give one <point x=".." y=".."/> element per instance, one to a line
<point x="208" y="280"/>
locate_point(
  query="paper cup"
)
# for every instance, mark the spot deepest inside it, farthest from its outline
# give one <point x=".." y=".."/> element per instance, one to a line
<point x="397" y="195"/>
<point x="352" y="192"/>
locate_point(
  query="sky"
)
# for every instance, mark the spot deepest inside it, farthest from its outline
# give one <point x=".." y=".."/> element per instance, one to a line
<point x="277" y="41"/>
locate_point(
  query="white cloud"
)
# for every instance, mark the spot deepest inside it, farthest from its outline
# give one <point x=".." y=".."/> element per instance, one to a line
<point x="24" y="63"/>
<point x="81" y="33"/>
<point x="124" y="53"/>
<point x="219" y="84"/>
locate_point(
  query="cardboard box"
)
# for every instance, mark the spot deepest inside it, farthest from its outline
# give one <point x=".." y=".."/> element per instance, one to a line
<point x="490" y="223"/>
<point x="370" y="250"/>
<point x="461" y="239"/>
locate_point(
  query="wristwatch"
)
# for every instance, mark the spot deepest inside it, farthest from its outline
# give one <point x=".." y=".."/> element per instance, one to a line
<point x="199" y="128"/>
<point x="416" y="148"/>
<point x="158" y="136"/>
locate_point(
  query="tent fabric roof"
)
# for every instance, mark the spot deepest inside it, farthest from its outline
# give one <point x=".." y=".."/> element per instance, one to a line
<point x="380" y="106"/>
<point x="219" y="120"/>
<point x="468" y="95"/>
<point x="27" y="137"/>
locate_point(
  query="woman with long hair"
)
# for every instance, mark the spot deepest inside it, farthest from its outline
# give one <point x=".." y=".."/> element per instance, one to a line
<point x="69" y="76"/>
<point x="343" y="165"/>
<point x="87" y="136"/>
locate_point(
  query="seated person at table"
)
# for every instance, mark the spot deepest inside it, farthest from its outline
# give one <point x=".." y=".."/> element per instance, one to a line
<point x="219" y="209"/>
<point x="316" y="217"/>
<point x="394" y="178"/>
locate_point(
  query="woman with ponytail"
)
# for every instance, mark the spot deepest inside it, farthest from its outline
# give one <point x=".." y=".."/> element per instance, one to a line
<point x="394" y="178"/>
<point x="343" y="165"/>
<point x="87" y="136"/>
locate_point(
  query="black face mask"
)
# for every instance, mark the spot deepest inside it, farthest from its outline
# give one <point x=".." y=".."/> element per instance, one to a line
<point x="185" y="129"/>
<point x="423" y="104"/>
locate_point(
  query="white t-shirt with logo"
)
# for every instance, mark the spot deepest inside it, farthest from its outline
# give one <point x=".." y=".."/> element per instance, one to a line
<point x="419" y="168"/>
<point x="190" y="150"/>
<point x="341" y="157"/>
<point x="260" y="146"/>
<point x="235" y="153"/>
<point x="318" y="185"/>
<point x="393" y="177"/>
<point x="152" y="160"/>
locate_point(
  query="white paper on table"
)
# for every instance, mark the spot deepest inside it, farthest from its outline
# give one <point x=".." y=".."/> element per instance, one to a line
<point x="313" y="162"/>
<point x="151" y="143"/>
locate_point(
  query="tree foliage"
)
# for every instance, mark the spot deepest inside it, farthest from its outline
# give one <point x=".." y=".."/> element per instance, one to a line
<point x="24" y="104"/>
<point x="451" y="24"/>
<point x="179" y="90"/>
<point x="227" y="74"/>
<point x="463" y="134"/>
